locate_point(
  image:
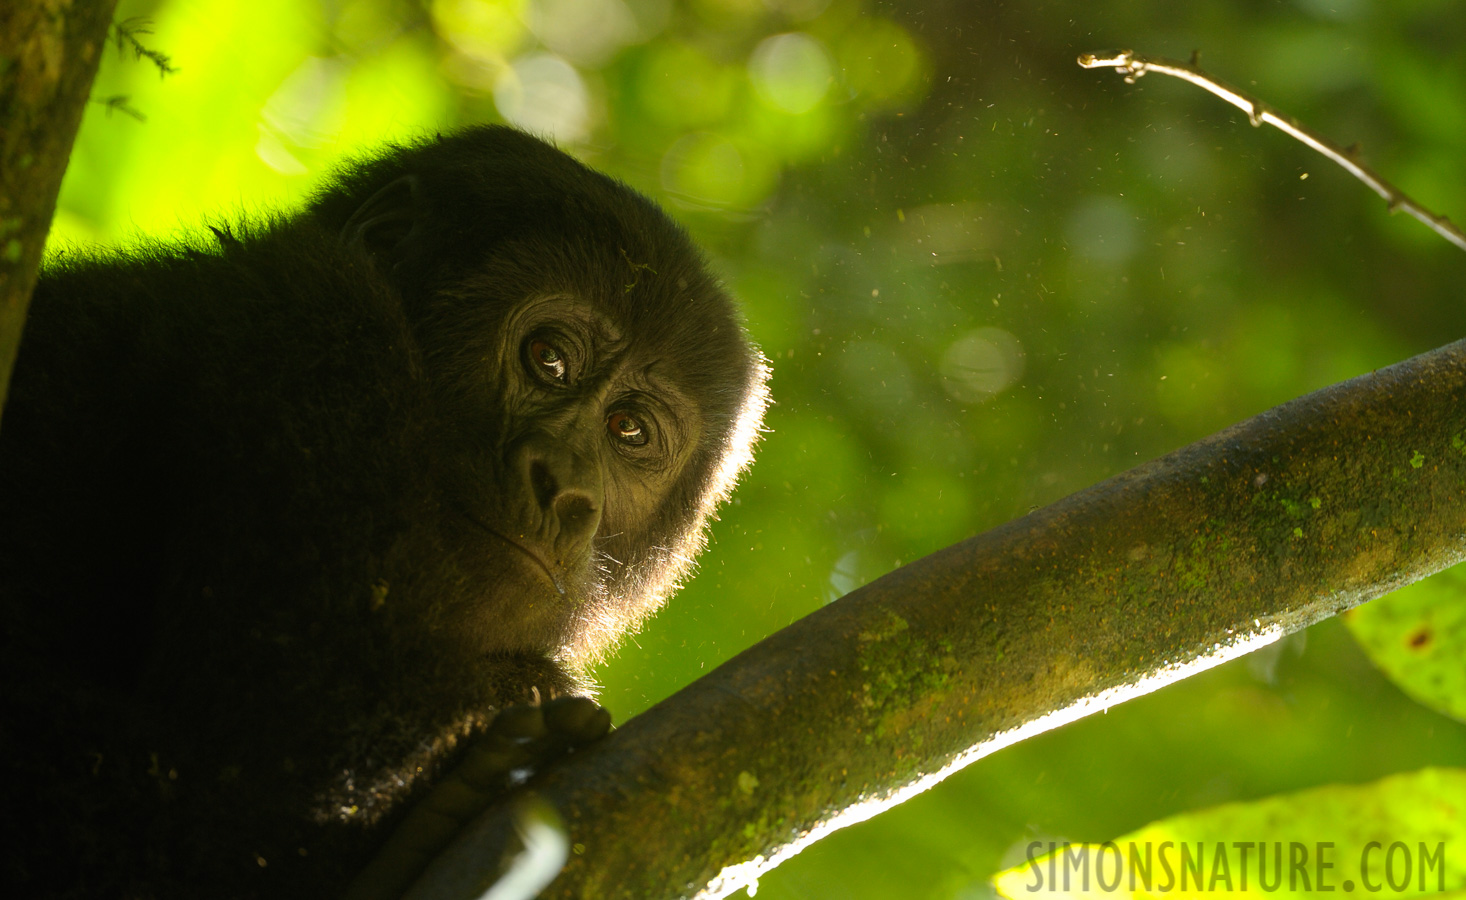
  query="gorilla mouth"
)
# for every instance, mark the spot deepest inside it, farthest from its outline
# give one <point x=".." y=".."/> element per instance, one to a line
<point x="534" y="557"/>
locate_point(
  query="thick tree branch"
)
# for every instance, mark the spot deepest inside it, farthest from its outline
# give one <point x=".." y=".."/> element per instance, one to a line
<point x="49" y="50"/>
<point x="1262" y="529"/>
<point x="1133" y="66"/>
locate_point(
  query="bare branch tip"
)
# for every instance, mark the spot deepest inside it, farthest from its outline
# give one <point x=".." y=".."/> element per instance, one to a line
<point x="1120" y="59"/>
<point x="1132" y="67"/>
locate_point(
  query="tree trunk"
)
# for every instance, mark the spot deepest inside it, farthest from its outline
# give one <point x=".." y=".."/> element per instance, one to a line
<point x="1290" y="517"/>
<point x="49" y="50"/>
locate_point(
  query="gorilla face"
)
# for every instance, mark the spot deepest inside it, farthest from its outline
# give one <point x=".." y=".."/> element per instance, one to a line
<point x="593" y="391"/>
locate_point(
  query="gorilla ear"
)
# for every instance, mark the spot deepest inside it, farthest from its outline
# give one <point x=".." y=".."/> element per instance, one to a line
<point x="388" y="222"/>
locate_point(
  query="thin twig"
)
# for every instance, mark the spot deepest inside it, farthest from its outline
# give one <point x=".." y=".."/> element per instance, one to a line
<point x="1132" y="67"/>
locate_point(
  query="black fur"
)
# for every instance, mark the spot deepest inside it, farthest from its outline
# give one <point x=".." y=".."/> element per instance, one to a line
<point x="255" y="493"/>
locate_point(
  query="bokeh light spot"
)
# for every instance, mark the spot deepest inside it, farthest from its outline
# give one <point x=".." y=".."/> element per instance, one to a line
<point x="483" y="29"/>
<point x="681" y="86"/>
<point x="791" y="71"/>
<point x="981" y="364"/>
<point x="882" y="63"/>
<point x="1102" y="229"/>
<point x="588" y="32"/>
<point x="544" y="95"/>
<point x="709" y="169"/>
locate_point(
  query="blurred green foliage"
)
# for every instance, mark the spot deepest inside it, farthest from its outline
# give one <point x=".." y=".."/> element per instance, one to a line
<point x="985" y="279"/>
<point x="1354" y="843"/>
<point x="1418" y="638"/>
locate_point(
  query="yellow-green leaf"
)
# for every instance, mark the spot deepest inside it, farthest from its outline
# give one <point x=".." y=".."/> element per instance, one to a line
<point x="1403" y="836"/>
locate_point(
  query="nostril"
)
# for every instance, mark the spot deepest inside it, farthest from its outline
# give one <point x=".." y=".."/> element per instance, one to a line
<point x="565" y="490"/>
<point x="575" y="509"/>
<point x="543" y="482"/>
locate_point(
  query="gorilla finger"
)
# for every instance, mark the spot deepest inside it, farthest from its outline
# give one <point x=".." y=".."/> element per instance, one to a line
<point x="578" y="720"/>
<point x="519" y="723"/>
<point x="488" y="764"/>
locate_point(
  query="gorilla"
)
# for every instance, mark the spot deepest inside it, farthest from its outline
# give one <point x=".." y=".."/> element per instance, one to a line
<point x="290" y="512"/>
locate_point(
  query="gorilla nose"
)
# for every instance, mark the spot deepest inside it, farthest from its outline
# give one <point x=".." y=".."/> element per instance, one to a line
<point x="566" y="490"/>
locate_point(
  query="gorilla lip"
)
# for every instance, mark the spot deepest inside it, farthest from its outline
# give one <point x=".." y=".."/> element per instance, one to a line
<point x="555" y="582"/>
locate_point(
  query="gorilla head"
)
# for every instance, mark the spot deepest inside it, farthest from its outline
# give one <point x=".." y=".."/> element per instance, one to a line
<point x="596" y="394"/>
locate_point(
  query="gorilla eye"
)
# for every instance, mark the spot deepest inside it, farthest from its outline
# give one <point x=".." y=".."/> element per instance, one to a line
<point x="549" y="362"/>
<point x="626" y="429"/>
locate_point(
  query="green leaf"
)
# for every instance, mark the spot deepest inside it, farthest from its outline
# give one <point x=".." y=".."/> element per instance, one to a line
<point x="1402" y="836"/>
<point x="1417" y="636"/>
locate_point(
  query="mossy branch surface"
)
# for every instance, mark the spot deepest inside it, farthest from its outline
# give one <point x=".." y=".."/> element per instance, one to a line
<point x="1262" y="529"/>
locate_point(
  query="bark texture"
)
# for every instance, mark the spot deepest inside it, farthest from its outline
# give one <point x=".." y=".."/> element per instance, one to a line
<point x="49" y="50"/>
